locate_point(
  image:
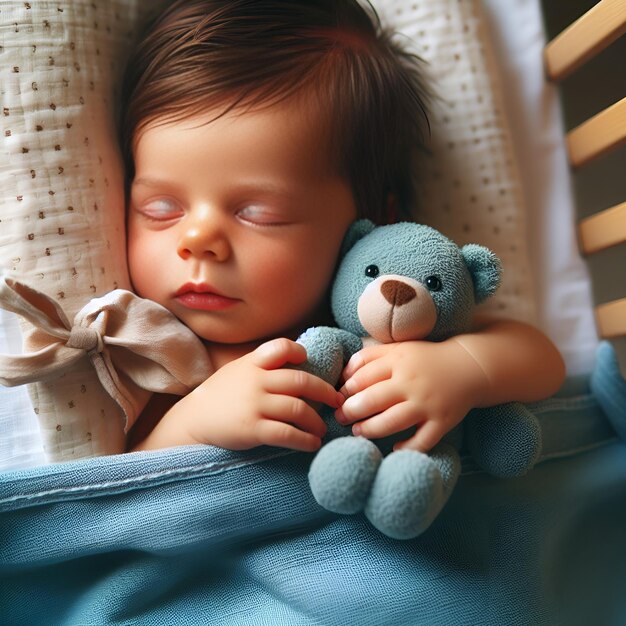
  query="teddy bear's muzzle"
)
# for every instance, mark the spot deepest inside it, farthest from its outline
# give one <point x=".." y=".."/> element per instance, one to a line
<point x="396" y="308"/>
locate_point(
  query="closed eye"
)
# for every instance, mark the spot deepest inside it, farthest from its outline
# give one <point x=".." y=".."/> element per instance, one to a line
<point x="261" y="215"/>
<point x="161" y="209"/>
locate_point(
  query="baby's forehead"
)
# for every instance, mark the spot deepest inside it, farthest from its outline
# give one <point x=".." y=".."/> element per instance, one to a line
<point x="280" y="149"/>
<point x="296" y="126"/>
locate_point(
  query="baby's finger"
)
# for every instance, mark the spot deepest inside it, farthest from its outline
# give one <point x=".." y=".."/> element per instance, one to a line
<point x="293" y="411"/>
<point x="278" y="352"/>
<point x="373" y="400"/>
<point x="301" y="384"/>
<point x="428" y="435"/>
<point x="273" y="433"/>
<point x="373" y="372"/>
<point x="395" y="419"/>
<point x="363" y="357"/>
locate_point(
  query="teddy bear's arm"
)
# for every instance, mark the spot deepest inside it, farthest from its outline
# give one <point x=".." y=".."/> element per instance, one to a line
<point x="328" y="350"/>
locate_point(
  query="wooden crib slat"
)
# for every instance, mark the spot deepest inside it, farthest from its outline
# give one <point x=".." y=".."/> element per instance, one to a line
<point x="587" y="36"/>
<point x="598" y="135"/>
<point x="603" y="230"/>
<point x="611" y="319"/>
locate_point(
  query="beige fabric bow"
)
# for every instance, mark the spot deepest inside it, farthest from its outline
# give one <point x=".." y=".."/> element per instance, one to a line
<point x="131" y="342"/>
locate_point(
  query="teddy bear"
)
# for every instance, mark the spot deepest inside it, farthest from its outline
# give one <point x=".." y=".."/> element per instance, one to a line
<point x="401" y="282"/>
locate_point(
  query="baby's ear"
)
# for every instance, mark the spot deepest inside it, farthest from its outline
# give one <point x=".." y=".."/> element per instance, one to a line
<point x="356" y="231"/>
<point x="485" y="269"/>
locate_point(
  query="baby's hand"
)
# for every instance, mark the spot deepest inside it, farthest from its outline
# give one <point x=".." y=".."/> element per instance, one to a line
<point x="251" y="402"/>
<point x="391" y="387"/>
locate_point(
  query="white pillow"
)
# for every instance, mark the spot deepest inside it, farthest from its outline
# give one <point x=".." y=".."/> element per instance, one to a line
<point x="62" y="203"/>
<point x="20" y="443"/>
<point x="470" y="185"/>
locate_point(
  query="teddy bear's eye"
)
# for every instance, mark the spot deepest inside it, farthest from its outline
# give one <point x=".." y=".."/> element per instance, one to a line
<point x="433" y="283"/>
<point x="372" y="271"/>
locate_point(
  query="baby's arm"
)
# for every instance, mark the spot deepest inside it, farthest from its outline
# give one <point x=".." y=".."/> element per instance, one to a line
<point x="250" y="402"/>
<point x="391" y="387"/>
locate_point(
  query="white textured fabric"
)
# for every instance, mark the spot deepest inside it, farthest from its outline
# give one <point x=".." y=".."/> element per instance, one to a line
<point x="20" y="439"/>
<point x="471" y="187"/>
<point x="62" y="205"/>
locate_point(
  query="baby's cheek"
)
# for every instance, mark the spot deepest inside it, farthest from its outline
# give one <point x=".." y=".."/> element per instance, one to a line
<point x="144" y="267"/>
<point x="134" y="256"/>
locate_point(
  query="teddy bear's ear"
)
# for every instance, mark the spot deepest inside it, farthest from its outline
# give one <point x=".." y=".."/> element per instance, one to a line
<point x="356" y="231"/>
<point x="485" y="268"/>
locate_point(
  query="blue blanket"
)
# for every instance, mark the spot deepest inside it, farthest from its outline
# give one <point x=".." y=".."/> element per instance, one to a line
<point x="201" y="535"/>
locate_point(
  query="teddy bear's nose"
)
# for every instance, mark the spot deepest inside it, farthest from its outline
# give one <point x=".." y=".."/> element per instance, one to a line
<point x="396" y="292"/>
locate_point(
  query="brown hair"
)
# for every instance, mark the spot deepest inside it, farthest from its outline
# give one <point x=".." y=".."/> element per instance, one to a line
<point x="201" y="54"/>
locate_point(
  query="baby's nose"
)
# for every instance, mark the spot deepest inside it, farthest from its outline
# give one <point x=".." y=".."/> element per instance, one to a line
<point x="397" y="293"/>
<point x="203" y="241"/>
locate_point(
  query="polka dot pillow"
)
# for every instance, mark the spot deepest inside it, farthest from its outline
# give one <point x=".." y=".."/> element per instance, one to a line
<point x="62" y="202"/>
<point x="470" y="183"/>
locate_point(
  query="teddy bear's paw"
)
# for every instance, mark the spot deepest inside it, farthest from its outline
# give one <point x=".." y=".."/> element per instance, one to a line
<point x="342" y="474"/>
<point x="609" y="388"/>
<point x="407" y="495"/>
<point x="324" y="355"/>
<point x="504" y="440"/>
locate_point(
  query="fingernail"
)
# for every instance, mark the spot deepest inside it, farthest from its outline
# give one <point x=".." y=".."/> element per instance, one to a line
<point x="340" y="399"/>
<point x="340" y="417"/>
<point x="356" y="430"/>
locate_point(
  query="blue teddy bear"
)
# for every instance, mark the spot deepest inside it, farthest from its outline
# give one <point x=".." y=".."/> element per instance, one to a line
<point x="403" y="282"/>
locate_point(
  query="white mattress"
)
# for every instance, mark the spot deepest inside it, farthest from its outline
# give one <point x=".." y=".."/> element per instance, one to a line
<point x="561" y="282"/>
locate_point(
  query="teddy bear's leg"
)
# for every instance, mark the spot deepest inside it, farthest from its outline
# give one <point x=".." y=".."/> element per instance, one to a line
<point x="609" y="388"/>
<point x="504" y="440"/>
<point x="410" y="490"/>
<point x="342" y="473"/>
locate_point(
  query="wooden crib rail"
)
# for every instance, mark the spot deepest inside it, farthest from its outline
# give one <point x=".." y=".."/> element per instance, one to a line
<point x="604" y="132"/>
<point x="603" y="230"/>
<point x="587" y="36"/>
<point x="611" y="319"/>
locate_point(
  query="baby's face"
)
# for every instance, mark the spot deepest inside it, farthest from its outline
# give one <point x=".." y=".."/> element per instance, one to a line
<point x="235" y="226"/>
